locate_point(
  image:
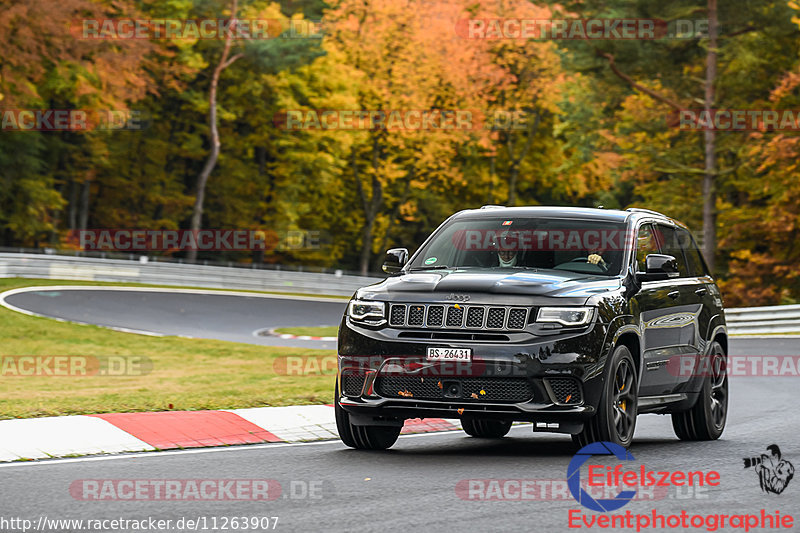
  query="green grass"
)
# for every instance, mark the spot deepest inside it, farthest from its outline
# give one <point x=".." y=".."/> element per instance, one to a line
<point x="187" y="374"/>
<point x="324" y="331"/>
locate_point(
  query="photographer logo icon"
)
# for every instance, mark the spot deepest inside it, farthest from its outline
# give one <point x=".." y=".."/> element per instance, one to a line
<point x="774" y="472"/>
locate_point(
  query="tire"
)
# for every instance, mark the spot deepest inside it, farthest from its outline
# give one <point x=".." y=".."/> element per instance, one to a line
<point x="705" y="420"/>
<point x="486" y="429"/>
<point x="343" y="421"/>
<point x="362" y="437"/>
<point x="615" y="420"/>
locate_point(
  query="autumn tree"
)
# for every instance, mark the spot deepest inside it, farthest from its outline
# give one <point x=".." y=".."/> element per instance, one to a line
<point x="47" y="64"/>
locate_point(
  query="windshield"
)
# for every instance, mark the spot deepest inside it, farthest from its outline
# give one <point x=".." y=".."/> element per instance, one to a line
<point x="584" y="246"/>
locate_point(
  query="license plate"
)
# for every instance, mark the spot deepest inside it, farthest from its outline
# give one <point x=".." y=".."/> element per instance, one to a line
<point x="449" y="354"/>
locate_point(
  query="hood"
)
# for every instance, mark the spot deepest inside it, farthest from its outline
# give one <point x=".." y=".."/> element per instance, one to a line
<point x="551" y="283"/>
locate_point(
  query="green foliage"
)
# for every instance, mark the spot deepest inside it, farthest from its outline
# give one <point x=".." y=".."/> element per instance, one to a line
<point x="594" y="138"/>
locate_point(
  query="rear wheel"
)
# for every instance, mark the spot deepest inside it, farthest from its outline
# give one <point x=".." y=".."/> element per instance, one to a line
<point x="486" y="429"/>
<point x="363" y="437"/>
<point x="615" y="420"/>
<point x="706" y="419"/>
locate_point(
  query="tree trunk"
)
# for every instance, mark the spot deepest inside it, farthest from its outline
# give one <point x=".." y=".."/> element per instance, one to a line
<point x="516" y="160"/>
<point x="72" y="209"/>
<point x="83" y="209"/>
<point x="512" y="185"/>
<point x="492" y="177"/>
<point x="393" y="219"/>
<point x="371" y="206"/>
<point x="709" y="191"/>
<point x="211" y="162"/>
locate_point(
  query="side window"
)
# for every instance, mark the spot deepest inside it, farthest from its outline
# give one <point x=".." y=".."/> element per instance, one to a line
<point x="646" y="244"/>
<point x="672" y="246"/>
<point x="697" y="266"/>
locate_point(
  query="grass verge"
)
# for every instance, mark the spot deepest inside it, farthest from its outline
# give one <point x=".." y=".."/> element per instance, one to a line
<point x="187" y="374"/>
<point x="324" y="331"/>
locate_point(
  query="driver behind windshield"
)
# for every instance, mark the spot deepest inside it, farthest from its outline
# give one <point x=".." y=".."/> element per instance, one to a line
<point x="508" y="243"/>
<point x="507" y="258"/>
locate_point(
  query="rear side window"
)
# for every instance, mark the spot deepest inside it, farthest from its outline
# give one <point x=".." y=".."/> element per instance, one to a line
<point x="671" y="245"/>
<point x="694" y="259"/>
<point x="646" y="244"/>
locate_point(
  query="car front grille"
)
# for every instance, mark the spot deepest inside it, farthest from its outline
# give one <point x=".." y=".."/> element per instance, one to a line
<point x="497" y="316"/>
<point x="435" y="315"/>
<point x="398" y="315"/>
<point x="352" y="384"/>
<point x="566" y="391"/>
<point x="469" y="389"/>
<point x="516" y="318"/>
<point x="416" y="314"/>
<point x="455" y="315"/>
<point x="475" y="317"/>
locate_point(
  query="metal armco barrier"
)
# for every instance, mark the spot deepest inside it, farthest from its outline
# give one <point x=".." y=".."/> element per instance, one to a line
<point x="15" y="265"/>
<point x="760" y="320"/>
<point x="741" y="321"/>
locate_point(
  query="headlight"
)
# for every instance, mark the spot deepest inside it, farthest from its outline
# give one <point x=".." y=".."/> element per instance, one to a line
<point x="566" y="316"/>
<point x="373" y="313"/>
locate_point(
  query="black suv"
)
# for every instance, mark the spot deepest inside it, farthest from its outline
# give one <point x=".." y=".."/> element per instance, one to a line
<point x="574" y="319"/>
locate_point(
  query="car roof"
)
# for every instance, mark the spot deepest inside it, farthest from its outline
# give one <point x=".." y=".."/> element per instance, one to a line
<point x="585" y="213"/>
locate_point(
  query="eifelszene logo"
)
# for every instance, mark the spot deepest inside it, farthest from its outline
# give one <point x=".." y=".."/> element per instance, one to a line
<point x="774" y="472"/>
<point x="617" y="477"/>
<point x="574" y="477"/>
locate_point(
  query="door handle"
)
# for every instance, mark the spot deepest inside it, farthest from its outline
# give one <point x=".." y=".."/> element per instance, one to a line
<point x="674" y="294"/>
<point x="701" y="292"/>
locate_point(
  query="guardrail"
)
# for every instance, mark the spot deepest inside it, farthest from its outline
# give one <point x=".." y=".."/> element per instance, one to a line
<point x="760" y="320"/>
<point x="741" y="321"/>
<point x="183" y="275"/>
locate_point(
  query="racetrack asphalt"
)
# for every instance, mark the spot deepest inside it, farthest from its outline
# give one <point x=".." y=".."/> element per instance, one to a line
<point x="205" y="314"/>
<point x="413" y="485"/>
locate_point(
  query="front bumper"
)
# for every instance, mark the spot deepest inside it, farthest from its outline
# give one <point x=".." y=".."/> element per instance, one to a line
<point x="554" y="381"/>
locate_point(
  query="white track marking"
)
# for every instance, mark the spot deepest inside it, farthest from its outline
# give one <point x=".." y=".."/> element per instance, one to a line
<point x="294" y="423"/>
<point x="41" y="438"/>
<point x="238" y="448"/>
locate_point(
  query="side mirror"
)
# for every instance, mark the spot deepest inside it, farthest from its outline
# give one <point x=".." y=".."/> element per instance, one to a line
<point x="659" y="267"/>
<point x="395" y="259"/>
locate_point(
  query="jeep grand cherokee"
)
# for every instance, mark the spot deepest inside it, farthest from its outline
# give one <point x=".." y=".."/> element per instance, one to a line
<point x="574" y="319"/>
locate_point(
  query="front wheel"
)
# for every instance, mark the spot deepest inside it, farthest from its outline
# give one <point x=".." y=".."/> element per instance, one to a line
<point x="706" y="419"/>
<point x="615" y="420"/>
<point x="486" y="429"/>
<point x="362" y="437"/>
